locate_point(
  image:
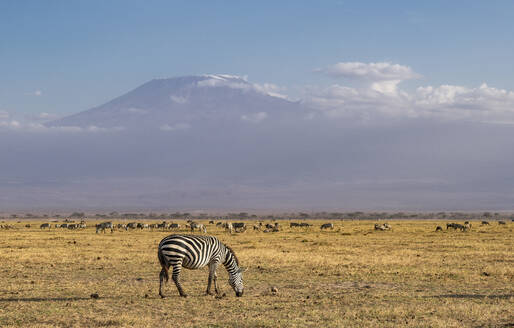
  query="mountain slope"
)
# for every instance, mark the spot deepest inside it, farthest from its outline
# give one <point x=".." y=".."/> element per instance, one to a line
<point x="178" y="103"/>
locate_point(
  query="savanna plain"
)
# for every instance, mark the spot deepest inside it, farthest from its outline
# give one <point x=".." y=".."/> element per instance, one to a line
<point x="351" y="276"/>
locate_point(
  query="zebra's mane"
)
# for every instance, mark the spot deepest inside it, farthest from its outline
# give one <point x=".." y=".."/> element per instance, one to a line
<point x="233" y="254"/>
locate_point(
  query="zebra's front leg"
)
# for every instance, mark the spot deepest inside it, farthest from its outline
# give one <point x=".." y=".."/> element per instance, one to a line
<point x="176" y="278"/>
<point x="216" y="283"/>
<point x="212" y="276"/>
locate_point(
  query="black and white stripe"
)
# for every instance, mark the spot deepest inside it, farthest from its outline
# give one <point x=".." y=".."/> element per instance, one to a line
<point x="194" y="252"/>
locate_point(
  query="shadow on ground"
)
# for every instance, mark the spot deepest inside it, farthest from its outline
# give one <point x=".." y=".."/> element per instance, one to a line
<point x="473" y="296"/>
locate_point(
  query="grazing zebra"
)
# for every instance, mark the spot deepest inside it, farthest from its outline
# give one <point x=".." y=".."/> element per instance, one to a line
<point x="228" y="227"/>
<point x="194" y="252"/>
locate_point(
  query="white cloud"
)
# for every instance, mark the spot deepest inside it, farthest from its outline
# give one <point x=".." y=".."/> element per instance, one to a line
<point x="255" y="117"/>
<point x="381" y="97"/>
<point x="447" y="102"/>
<point x="178" y="99"/>
<point x="175" y="127"/>
<point x="382" y="77"/>
<point x="382" y="71"/>
<point x="270" y="90"/>
<point x="35" y="127"/>
<point x="10" y="124"/>
<point x="36" y="93"/>
<point x="137" y="110"/>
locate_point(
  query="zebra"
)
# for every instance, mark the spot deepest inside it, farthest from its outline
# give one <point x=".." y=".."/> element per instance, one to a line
<point x="327" y="226"/>
<point x="194" y="252"/>
<point x="228" y="227"/>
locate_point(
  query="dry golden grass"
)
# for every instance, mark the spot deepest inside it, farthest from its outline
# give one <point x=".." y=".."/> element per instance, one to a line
<point x="349" y="277"/>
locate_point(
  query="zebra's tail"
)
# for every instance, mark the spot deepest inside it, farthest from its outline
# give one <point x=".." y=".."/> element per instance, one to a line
<point x="164" y="264"/>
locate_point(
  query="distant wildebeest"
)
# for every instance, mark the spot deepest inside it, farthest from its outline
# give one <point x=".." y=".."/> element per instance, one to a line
<point x="327" y="226"/>
<point x="44" y="225"/>
<point x="269" y="226"/>
<point x="27" y="226"/>
<point x="485" y="223"/>
<point x="194" y="252"/>
<point x="219" y="224"/>
<point x="294" y="224"/>
<point x="104" y="225"/>
<point x="239" y="226"/>
<point x="456" y="226"/>
<point x="305" y="224"/>
<point x="438" y="228"/>
<point x="501" y="222"/>
<point x="174" y="226"/>
<point x="211" y="222"/>
<point x="64" y="226"/>
<point x="132" y="225"/>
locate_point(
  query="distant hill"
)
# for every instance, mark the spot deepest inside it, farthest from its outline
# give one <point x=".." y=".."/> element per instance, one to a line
<point x="179" y="103"/>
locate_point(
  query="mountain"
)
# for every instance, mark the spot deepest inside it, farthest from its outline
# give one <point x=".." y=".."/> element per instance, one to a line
<point x="179" y="103"/>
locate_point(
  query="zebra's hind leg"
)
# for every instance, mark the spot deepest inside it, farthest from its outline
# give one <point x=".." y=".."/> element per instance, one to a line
<point x="163" y="277"/>
<point x="176" y="278"/>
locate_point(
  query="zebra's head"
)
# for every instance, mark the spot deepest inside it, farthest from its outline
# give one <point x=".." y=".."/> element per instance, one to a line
<point x="236" y="281"/>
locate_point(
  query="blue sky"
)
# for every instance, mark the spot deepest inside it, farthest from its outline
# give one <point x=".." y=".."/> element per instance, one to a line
<point x="67" y="56"/>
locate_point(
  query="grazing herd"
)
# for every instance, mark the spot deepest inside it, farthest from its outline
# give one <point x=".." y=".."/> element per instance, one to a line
<point x="229" y="227"/>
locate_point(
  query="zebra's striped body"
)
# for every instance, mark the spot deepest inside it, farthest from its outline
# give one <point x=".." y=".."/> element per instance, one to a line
<point x="194" y="252"/>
